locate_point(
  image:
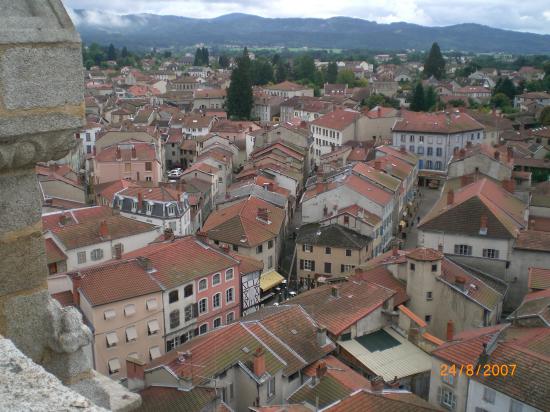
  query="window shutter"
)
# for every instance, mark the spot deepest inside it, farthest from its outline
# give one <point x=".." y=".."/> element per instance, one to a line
<point x="301" y="264"/>
<point x="304" y="247"/>
<point x="313" y="265"/>
<point x="439" y="394"/>
<point x="195" y="310"/>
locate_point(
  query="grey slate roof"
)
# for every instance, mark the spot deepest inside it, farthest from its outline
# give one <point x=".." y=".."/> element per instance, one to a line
<point x="333" y="235"/>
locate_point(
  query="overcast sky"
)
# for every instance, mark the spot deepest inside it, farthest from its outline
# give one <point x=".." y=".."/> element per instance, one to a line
<point x="527" y="15"/>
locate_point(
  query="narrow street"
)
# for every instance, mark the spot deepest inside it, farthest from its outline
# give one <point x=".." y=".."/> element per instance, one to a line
<point x="426" y="201"/>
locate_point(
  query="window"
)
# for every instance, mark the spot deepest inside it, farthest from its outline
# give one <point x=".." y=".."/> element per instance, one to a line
<point x="270" y="262"/>
<point x="171" y="210"/>
<point x="173" y="296"/>
<point x="346" y="220"/>
<point x="114" y="366"/>
<point x="153" y="327"/>
<point x="112" y="339"/>
<point x="217" y="323"/>
<point x="447" y="398"/>
<point x="411" y="138"/>
<point x="411" y="148"/>
<point x="216" y="279"/>
<point x="271" y="387"/>
<point x="270" y="244"/>
<point x="348" y="252"/>
<point x="346" y="268"/>
<point x="259" y="249"/>
<point x="464" y="250"/>
<point x="203" y="328"/>
<point x="489" y="395"/>
<point x="449" y="379"/>
<point x="229" y="295"/>
<point x="403" y="138"/>
<point x="131" y="334"/>
<point x="216" y="300"/>
<point x="430" y="151"/>
<point x="190" y="312"/>
<point x="428" y="318"/>
<point x="203" y="284"/>
<point x="515" y="406"/>
<point x="438" y="165"/>
<point x="130" y="310"/>
<point x="307" y="264"/>
<point x="174" y="319"/>
<point x="96" y="254"/>
<point x="421" y="139"/>
<point x="203" y="305"/>
<point x="328" y="251"/>
<point x="127" y="167"/>
<point x="148" y="208"/>
<point x="434" y="267"/>
<point x="109" y="314"/>
<point x="188" y="291"/>
<point x="439" y="151"/>
<point x="429" y="164"/>
<point x="328" y="267"/>
<point x="490" y="253"/>
<point x="412" y="266"/>
<point x="235" y="248"/>
<point x="420" y="150"/>
<point x="148" y="166"/>
<point x="429" y="296"/>
<point x="229" y="274"/>
<point x="307" y="248"/>
<point x="229" y="318"/>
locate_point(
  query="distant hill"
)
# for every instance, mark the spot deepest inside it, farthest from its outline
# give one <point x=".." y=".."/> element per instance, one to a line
<point x="148" y="30"/>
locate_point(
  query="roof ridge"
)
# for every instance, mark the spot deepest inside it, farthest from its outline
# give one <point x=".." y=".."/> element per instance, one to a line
<point x="276" y="355"/>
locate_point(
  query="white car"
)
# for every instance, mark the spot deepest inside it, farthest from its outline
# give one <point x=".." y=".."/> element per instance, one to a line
<point x="175" y="173"/>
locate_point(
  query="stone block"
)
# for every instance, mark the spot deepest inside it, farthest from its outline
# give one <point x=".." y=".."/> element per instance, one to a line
<point x="41" y="77"/>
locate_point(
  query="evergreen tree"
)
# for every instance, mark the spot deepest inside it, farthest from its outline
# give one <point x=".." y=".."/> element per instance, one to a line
<point x="239" y="94"/>
<point x="205" y="57"/>
<point x="332" y="72"/>
<point x="304" y="68"/>
<point x="111" y="52"/>
<point x="505" y="86"/>
<point x="124" y="52"/>
<point x="281" y="72"/>
<point x="434" y="64"/>
<point x="223" y="61"/>
<point x="417" y="100"/>
<point x="430" y="99"/>
<point x="544" y="118"/>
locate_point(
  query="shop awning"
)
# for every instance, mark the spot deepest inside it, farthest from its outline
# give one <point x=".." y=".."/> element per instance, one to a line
<point x="269" y="280"/>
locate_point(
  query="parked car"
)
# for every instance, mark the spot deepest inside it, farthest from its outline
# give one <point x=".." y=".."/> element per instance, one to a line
<point x="175" y="173"/>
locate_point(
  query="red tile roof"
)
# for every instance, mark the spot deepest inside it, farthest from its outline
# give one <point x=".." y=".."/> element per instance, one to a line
<point x="160" y="194"/>
<point x="158" y="398"/>
<point x="407" y="157"/>
<point x="339" y="119"/>
<point x="286" y="86"/>
<point x="386" y="401"/>
<point x="355" y="300"/>
<point x="182" y="260"/>
<point x="383" y="277"/>
<point x="144" y="152"/>
<point x="539" y="278"/>
<point x="412" y="316"/>
<point x="339" y="371"/>
<point x="368" y="190"/>
<point x="115" y="281"/>
<point x="107" y="190"/>
<point x="64" y="298"/>
<point x="51" y="221"/>
<point x="439" y="122"/>
<point x="425" y="254"/>
<point x="239" y="224"/>
<point x="248" y="264"/>
<point x="53" y="253"/>
<point x="533" y="240"/>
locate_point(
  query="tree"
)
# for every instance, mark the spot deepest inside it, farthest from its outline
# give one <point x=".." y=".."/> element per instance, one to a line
<point x="201" y="57"/>
<point x="506" y="87"/>
<point x="124" y="52"/>
<point x="332" y="72"/>
<point x="239" y="94"/>
<point x="223" y="61"/>
<point x="304" y="68"/>
<point x="435" y="63"/>
<point x="430" y="99"/>
<point x="167" y="54"/>
<point x="346" y="76"/>
<point x="501" y="101"/>
<point x="417" y="100"/>
<point x="261" y="71"/>
<point x="111" y="52"/>
<point x="281" y="72"/>
<point x="544" y="118"/>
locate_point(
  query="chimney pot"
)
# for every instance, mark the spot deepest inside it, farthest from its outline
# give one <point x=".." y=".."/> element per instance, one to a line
<point x="321" y="336"/>
<point x="103" y="229"/>
<point x="321" y="370"/>
<point x="168" y="233"/>
<point x="460" y="282"/>
<point x="377" y="384"/>
<point x="378" y="164"/>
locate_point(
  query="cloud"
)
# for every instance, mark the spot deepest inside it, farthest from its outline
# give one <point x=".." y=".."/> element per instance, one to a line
<point x="532" y="15"/>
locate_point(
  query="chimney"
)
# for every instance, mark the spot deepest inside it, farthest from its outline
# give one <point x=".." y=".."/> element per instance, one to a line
<point x="259" y="362"/>
<point x="532" y="224"/>
<point x="462" y="153"/>
<point x="145" y="263"/>
<point x="460" y="282"/>
<point x="510" y="153"/>
<point x="509" y="185"/>
<point x="118" y="251"/>
<point x="53" y="167"/>
<point x="450" y="197"/>
<point x="168" y="233"/>
<point x="377" y="384"/>
<point x="139" y="201"/>
<point x="321" y="370"/>
<point x="497" y="155"/>
<point x="134" y="153"/>
<point x="225" y="248"/>
<point x="484" y="357"/>
<point x="135" y="371"/>
<point x="321" y="336"/>
<point x="118" y="154"/>
<point x="103" y="230"/>
<point x="450" y="330"/>
<point x="77" y="280"/>
<point x="378" y="164"/>
<point x="413" y="335"/>
<point x="335" y="291"/>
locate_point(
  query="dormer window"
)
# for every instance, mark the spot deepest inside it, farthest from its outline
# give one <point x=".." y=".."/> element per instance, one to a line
<point x="171" y="210"/>
<point x="149" y="208"/>
<point x="134" y="205"/>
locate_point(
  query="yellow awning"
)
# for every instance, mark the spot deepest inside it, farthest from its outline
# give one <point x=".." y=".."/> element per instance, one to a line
<point x="270" y="279"/>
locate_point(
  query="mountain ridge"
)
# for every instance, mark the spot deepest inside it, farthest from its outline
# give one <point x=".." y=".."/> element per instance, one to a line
<point x="239" y="29"/>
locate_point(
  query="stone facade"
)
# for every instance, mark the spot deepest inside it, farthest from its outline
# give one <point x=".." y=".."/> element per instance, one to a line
<point x="41" y="107"/>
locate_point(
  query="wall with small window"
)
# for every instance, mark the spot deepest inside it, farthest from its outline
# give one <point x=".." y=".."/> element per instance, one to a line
<point x="481" y="396"/>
